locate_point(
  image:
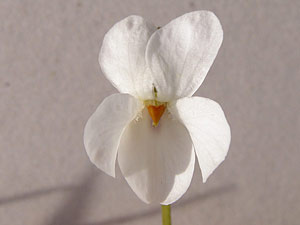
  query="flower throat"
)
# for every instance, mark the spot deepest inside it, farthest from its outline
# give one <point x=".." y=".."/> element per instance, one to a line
<point x="155" y="108"/>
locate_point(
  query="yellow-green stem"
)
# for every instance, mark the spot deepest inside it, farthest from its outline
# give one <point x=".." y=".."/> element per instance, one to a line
<point x="166" y="214"/>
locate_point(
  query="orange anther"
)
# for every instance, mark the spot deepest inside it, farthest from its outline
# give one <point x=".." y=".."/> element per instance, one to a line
<point x="156" y="112"/>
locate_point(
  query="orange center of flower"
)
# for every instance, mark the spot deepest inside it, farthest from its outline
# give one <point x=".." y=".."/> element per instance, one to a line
<point x="156" y="112"/>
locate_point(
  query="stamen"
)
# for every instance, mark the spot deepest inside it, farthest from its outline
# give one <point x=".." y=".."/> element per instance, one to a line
<point x="154" y="91"/>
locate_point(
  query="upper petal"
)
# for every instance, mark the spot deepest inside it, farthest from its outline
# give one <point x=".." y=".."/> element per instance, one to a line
<point x="122" y="56"/>
<point x="104" y="129"/>
<point x="209" y="130"/>
<point x="181" y="53"/>
<point x="158" y="163"/>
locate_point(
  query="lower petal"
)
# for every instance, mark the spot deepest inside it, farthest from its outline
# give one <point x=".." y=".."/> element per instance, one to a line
<point x="157" y="162"/>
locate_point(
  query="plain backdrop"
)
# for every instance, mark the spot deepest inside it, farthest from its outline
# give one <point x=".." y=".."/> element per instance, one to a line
<point x="50" y="83"/>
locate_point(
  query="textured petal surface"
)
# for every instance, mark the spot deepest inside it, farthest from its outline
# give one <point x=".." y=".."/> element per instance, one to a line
<point x="104" y="129"/>
<point x="158" y="163"/>
<point x="122" y="56"/>
<point x="181" y="53"/>
<point x="209" y="130"/>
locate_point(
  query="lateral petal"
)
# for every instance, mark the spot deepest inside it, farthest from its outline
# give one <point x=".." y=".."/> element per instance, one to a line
<point x="208" y="128"/>
<point x="105" y="127"/>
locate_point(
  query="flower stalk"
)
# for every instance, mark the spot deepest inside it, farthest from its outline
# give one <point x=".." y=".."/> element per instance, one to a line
<point x="166" y="214"/>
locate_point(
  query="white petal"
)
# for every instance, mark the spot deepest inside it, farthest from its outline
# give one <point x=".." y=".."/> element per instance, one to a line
<point x="104" y="129"/>
<point x="158" y="163"/>
<point x="122" y="56"/>
<point x="209" y="130"/>
<point x="181" y="53"/>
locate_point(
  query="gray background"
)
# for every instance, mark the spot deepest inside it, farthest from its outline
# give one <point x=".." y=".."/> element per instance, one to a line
<point x="50" y="83"/>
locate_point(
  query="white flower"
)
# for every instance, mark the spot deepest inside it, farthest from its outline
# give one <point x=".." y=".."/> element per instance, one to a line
<point x="154" y="126"/>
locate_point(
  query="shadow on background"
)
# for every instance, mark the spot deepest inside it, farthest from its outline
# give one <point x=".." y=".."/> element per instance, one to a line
<point x="72" y="210"/>
<point x="197" y="198"/>
<point x="34" y="194"/>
